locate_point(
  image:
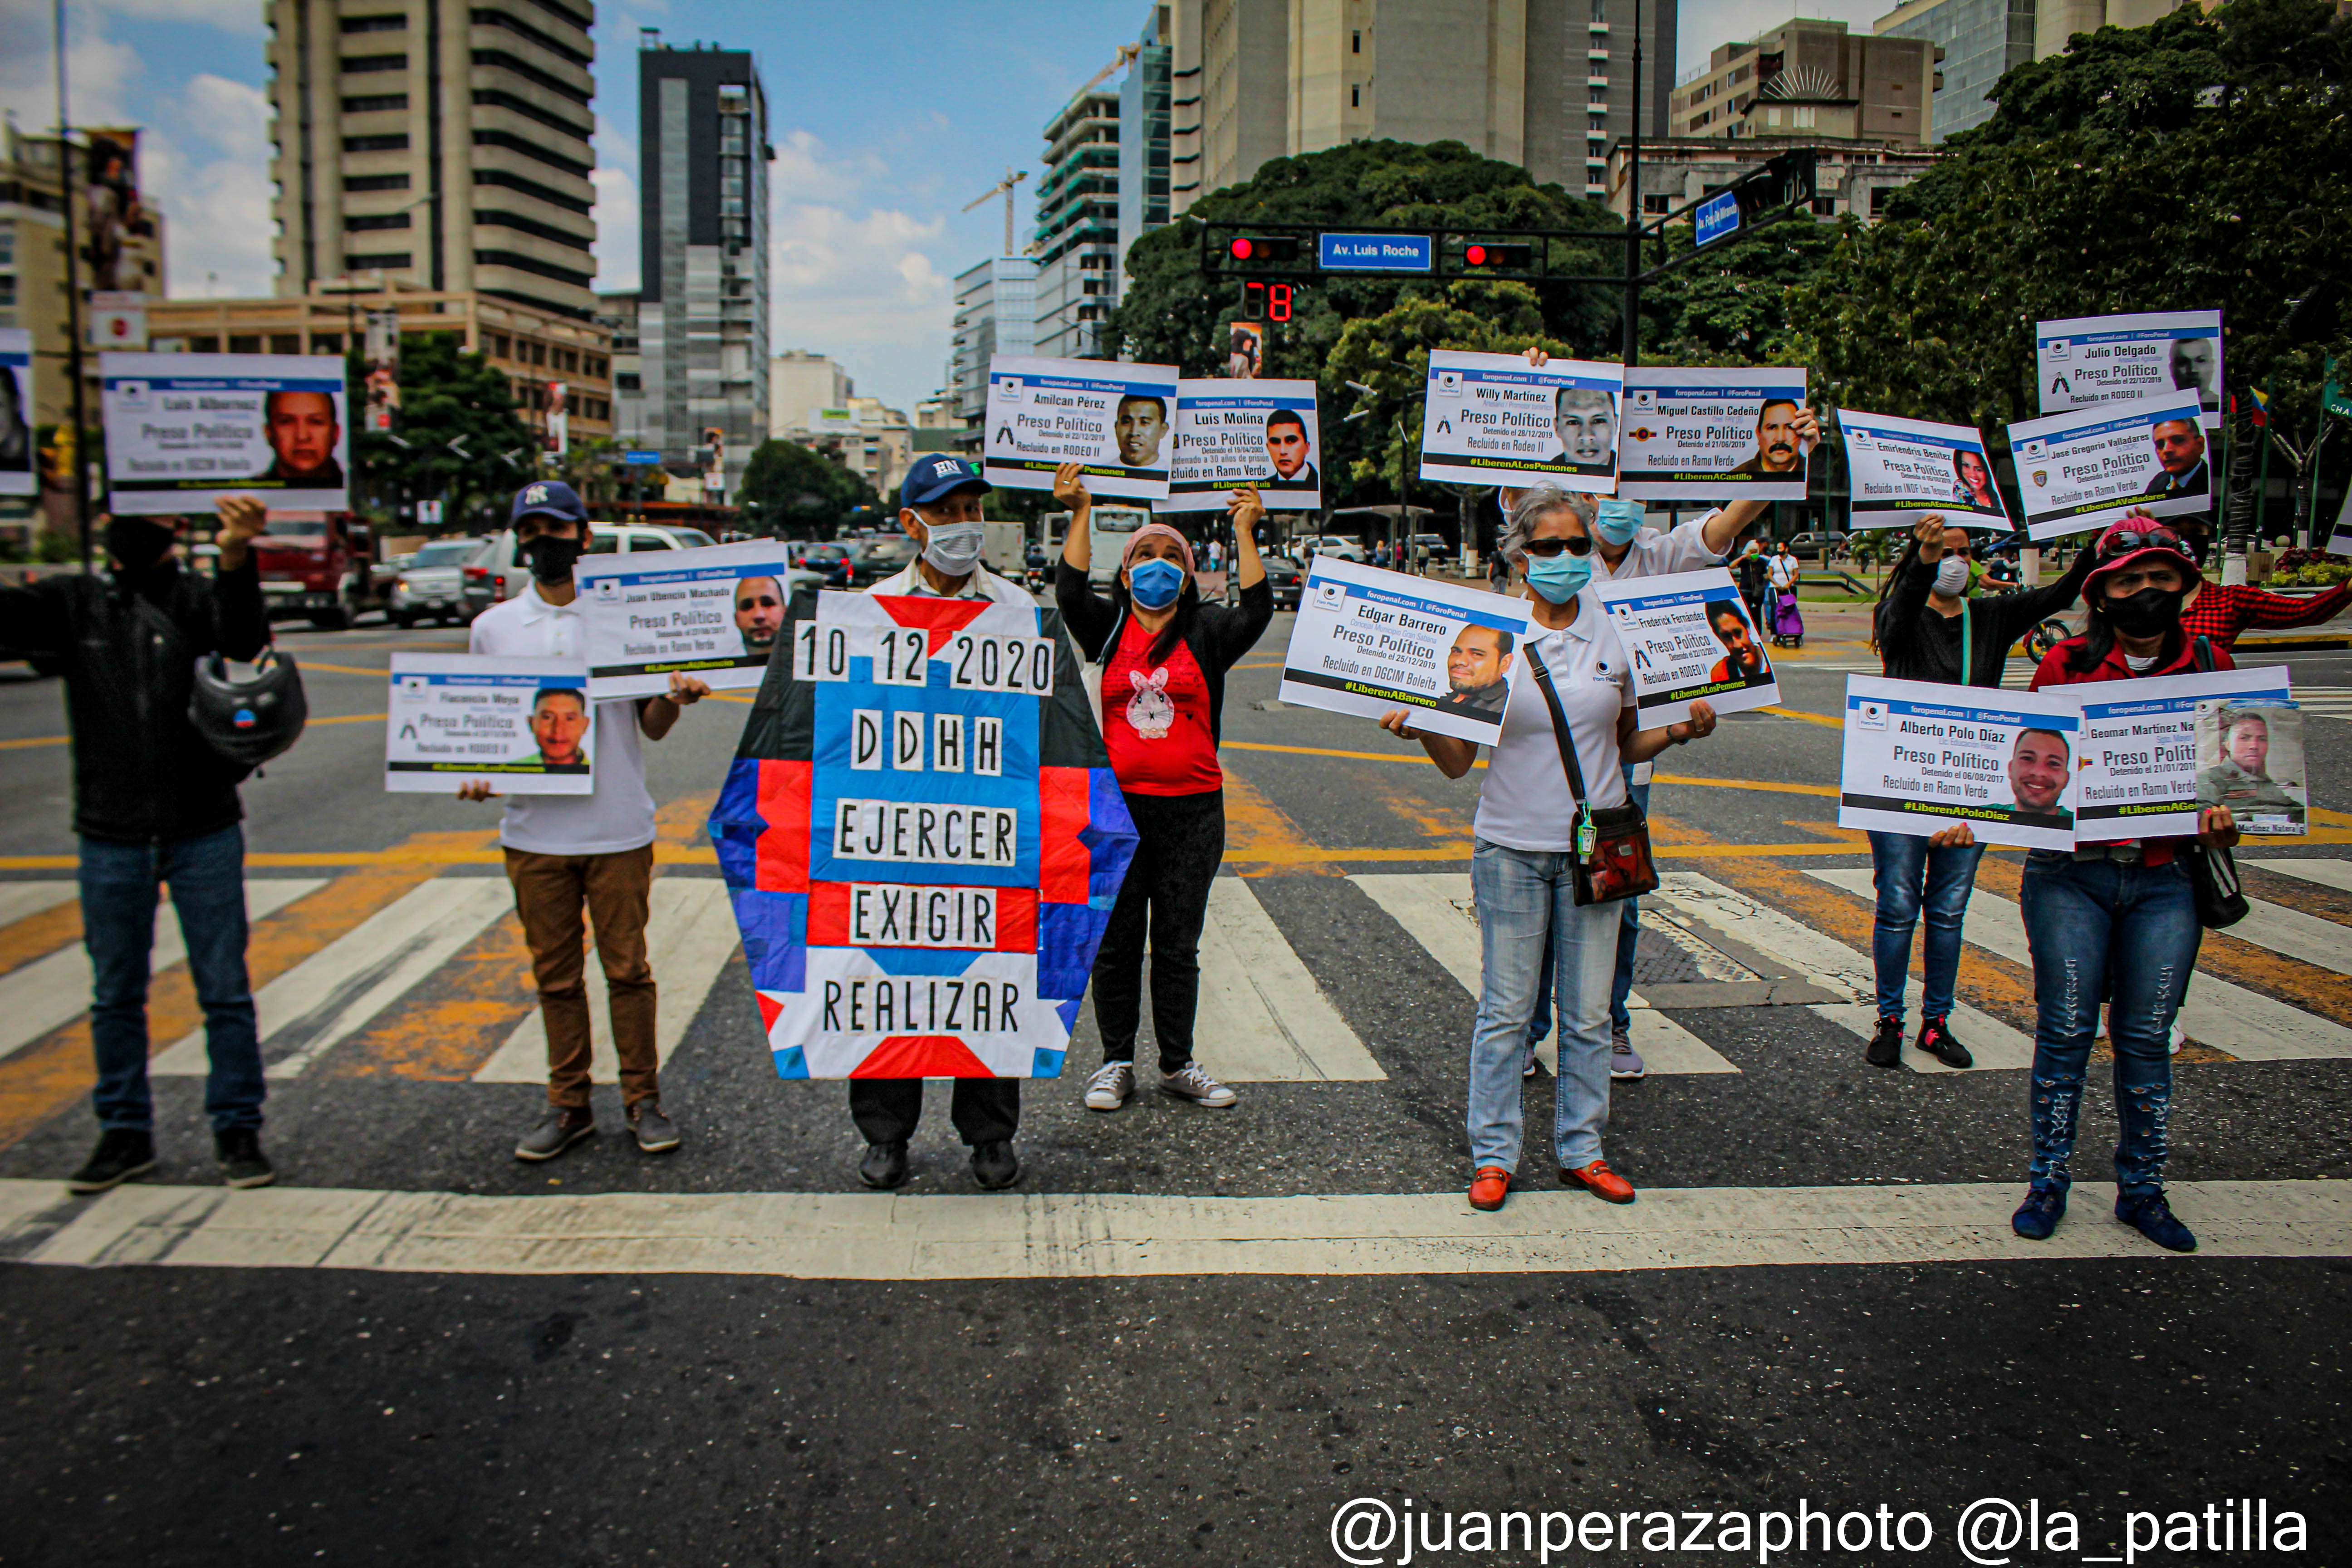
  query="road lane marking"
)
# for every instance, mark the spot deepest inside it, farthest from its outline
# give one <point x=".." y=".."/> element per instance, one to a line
<point x="44" y="918"/>
<point x="1269" y="1021"/>
<point x="19" y="900"/>
<point x="1828" y="721"/>
<point x="2329" y="873"/>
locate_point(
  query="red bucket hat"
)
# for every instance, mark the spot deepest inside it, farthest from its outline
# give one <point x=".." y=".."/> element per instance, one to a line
<point x="2137" y="535"/>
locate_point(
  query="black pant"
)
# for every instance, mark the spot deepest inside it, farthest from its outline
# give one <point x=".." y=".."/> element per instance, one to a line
<point x="984" y="1109"/>
<point x="1180" y="842"/>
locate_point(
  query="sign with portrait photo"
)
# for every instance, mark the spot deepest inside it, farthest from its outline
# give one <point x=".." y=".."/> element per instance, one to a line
<point x="2250" y="758"/>
<point x="2110" y="359"/>
<point x="1689" y="638"/>
<point x="1494" y="419"/>
<point x="18" y="474"/>
<point x="1115" y="418"/>
<point x="183" y="430"/>
<point x="1262" y="433"/>
<point x="1900" y="468"/>
<point x="2086" y="469"/>
<point x="1369" y="640"/>
<point x="1921" y="756"/>
<point x="2140" y="775"/>
<point x="524" y="725"/>
<point x="1712" y="435"/>
<point x="713" y="613"/>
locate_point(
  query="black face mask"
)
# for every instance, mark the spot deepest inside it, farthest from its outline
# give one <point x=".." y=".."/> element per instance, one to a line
<point x="2151" y="612"/>
<point x="550" y="559"/>
<point x="136" y="543"/>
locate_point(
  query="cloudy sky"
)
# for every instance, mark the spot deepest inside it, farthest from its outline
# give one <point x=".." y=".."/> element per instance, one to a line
<point x="887" y="116"/>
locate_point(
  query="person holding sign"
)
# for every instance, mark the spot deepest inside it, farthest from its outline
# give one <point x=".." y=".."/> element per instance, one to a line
<point x="1164" y="656"/>
<point x="1523" y="870"/>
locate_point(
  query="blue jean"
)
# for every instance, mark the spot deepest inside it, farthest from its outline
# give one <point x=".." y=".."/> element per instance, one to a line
<point x="1629" y="937"/>
<point x="2098" y="926"/>
<point x="1526" y="912"/>
<point x="1902" y="866"/>
<point x="118" y="915"/>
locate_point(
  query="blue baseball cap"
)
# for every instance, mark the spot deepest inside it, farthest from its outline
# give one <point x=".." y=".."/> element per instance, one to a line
<point x="937" y="476"/>
<point x="546" y="498"/>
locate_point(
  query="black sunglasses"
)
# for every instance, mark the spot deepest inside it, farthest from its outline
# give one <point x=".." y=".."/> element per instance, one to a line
<point x="1581" y="545"/>
<point x="2116" y="542"/>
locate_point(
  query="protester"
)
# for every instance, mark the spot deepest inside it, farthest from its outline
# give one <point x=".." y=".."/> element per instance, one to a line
<point x="1164" y="656"/>
<point x="1522" y="867"/>
<point x="564" y="851"/>
<point x="2224" y="612"/>
<point x="154" y="803"/>
<point x="1923" y="627"/>
<point x="940" y="509"/>
<point x="1755" y="580"/>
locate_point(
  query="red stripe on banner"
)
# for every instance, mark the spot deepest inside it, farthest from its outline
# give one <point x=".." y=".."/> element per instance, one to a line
<point x="1065" y="805"/>
<point x="921" y="1056"/>
<point x="1016" y="919"/>
<point x="939" y="617"/>
<point x="771" y="1009"/>
<point x="783" y="865"/>
<point x="828" y="914"/>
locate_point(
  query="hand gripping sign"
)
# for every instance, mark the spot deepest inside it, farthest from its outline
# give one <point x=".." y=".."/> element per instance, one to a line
<point x="923" y="839"/>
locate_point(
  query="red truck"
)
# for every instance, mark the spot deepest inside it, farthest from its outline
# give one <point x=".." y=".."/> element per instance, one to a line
<point x="320" y="566"/>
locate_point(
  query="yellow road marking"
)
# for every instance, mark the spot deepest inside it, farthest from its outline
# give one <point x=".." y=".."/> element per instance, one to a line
<point x="314" y="718"/>
<point x="1808" y="718"/>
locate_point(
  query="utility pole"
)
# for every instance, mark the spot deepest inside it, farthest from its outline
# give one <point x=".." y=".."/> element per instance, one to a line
<point x="1633" y="207"/>
<point x="73" y="295"/>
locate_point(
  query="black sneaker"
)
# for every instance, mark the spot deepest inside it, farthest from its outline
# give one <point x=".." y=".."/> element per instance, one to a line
<point x="994" y="1165"/>
<point x="1885" y="1045"/>
<point x="1937" y="1042"/>
<point x="121" y="1153"/>
<point x="885" y="1167"/>
<point x="242" y="1162"/>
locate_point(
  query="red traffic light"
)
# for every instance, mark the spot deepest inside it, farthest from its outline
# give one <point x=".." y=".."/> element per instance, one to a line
<point x="1243" y="248"/>
<point x="1480" y="255"/>
<point x="1475" y="256"/>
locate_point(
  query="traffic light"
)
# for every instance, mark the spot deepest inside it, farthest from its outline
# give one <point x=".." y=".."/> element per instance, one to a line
<point x="1783" y="181"/>
<point x="1481" y="257"/>
<point x="1259" y="250"/>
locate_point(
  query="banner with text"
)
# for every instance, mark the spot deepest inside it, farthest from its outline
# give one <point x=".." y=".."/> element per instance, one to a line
<point x="1902" y="468"/>
<point x="1494" y="419"/>
<point x="1689" y="638"/>
<point x="524" y="725"/>
<point x="19" y="473"/>
<point x="2140" y="776"/>
<point x="713" y="613"/>
<point x="1921" y="756"/>
<point x="1114" y="417"/>
<point x="2109" y="359"/>
<point x="2084" y="469"/>
<point x="1230" y="433"/>
<point x="1368" y="640"/>
<point x="182" y="430"/>
<point x="1712" y="435"/>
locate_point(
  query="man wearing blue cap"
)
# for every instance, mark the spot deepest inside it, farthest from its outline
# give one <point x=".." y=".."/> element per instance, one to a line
<point x="939" y="508"/>
<point x="564" y="851"/>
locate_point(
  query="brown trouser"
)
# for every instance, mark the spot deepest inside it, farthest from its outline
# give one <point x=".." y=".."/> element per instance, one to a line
<point x="616" y="888"/>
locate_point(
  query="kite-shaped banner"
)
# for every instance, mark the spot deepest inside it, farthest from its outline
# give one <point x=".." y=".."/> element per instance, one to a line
<point x="923" y="839"/>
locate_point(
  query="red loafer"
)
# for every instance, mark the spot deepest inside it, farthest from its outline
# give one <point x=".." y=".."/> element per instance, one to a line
<point x="1599" y="1181"/>
<point x="1489" y="1186"/>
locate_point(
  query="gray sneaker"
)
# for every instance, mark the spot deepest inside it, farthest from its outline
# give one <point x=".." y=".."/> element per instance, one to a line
<point x="1111" y="1087"/>
<point x="556" y="1131"/>
<point x="655" y="1133"/>
<point x="1190" y="1082"/>
<point x="1624" y="1061"/>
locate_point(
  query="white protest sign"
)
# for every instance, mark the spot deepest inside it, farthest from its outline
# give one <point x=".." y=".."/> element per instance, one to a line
<point x="1494" y="419"/>
<point x="1115" y="419"/>
<point x="1712" y="435"/>
<point x="1689" y="638"/>
<point x="1921" y="756"/>
<point x="17" y="475"/>
<point x="525" y="725"/>
<point x="2139" y="774"/>
<point x="2339" y="538"/>
<point x="2086" y="469"/>
<point x="713" y="613"/>
<point x="2250" y="758"/>
<point x="1232" y="433"/>
<point x="1369" y="640"/>
<point x="2107" y="359"/>
<point x="182" y="430"/>
<point x="1902" y="468"/>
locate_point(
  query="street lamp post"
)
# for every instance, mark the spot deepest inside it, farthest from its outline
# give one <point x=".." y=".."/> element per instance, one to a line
<point x="73" y="296"/>
<point x="1633" y="207"/>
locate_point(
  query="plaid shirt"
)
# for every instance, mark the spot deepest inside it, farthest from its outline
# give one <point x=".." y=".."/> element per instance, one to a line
<point x="2223" y="610"/>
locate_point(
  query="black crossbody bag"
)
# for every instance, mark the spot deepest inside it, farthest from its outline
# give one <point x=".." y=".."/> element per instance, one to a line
<point x="1613" y="858"/>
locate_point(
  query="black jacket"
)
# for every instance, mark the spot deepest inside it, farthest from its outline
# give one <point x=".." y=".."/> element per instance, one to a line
<point x="1917" y="644"/>
<point x="129" y="647"/>
<point x="1220" y="634"/>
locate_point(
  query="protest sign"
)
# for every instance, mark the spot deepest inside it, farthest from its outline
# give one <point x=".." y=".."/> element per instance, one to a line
<point x="1232" y="433"/>
<point x="1902" y="468"/>
<point x="2339" y="538"/>
<point x="1369" y="640"/>
<point x="182" y="430"/>
<point x="1689" y="638"/>
<point x="2084" y="469"/>
<point x="2138" y="775"/>
<point x="713" y="613"/>
<point x="2108" y="359"/>
<point x="1921" y="756"/>
<point x="526" y="725"/>
<point x="17" y="476"/>
<point x="1712" y="435"/>
<point x="923" y="839"/>
<point x="2250" y="758"/>
<point x="1494" y="419"/>
<point x="1113" y="418"/>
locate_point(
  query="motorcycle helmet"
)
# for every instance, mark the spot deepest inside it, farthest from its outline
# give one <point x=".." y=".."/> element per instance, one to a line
<point x="248" y="721"/>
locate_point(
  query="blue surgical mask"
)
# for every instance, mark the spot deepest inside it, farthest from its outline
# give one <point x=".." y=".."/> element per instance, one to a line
<point x="1619" y="520"/>
<point x="1561" y="577"/>
<point x="1154" y="583"/>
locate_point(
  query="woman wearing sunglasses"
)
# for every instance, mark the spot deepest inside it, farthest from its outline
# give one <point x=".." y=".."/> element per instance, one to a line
<point x="1522" y="872"/>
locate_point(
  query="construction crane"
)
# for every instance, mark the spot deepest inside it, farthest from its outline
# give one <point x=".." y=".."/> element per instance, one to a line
<point x="1127" y="53"/>
<point x="1002" y="187"/>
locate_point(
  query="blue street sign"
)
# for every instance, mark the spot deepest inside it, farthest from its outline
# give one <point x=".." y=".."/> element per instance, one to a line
<point x="648" y="458"/>
<point x="1718" y="215"/>
<point x="1376" y="253"/>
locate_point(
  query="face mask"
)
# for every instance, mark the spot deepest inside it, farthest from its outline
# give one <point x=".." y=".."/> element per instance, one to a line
<point x="1155" y="584"/>
<point x="136" y="543"/>
<point x="2150" y="613"/>
<point x="954" y="547"/>
<point x="550" y="559"/>
<point x="1619" y="520"/>
<point x="1951" y="576"/>
<point x="1560" y="577"/>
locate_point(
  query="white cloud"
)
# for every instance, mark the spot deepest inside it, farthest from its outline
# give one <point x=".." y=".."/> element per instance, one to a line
<point x="216" y="210"/>
<point x="863" y="288"/>
<point x="615" y="179"/>
<point x="806" y="170"/>
<point x="99" y="70"/>
<point x="243" y="17"/>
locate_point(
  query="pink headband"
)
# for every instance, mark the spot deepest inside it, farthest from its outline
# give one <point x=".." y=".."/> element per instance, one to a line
<point x="1147" y="531"/>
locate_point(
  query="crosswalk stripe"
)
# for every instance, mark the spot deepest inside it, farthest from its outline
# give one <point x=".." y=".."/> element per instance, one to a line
<point x="2245" y="1024"/>
<point x="2329" y="873"/>
<point x="18" y="900"/>
<point x="1060" y="1235"/>
<point x="689" y="936"/>
<point x="1273" y="1022"/>
<point x="56" y="990"/>
<point x="330" y="996"/>
<point x="1434" y="909"/>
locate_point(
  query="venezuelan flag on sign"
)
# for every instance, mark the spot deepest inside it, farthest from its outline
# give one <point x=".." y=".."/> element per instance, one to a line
<point x="921" y="839"/>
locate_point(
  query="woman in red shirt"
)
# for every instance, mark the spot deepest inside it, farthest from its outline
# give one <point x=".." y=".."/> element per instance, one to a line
<point x="1164" y="654"/>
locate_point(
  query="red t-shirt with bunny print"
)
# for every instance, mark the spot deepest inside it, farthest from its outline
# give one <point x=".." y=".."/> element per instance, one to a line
<point x="1156" y="719"/>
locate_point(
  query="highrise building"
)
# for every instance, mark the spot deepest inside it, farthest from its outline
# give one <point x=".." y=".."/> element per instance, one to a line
<point x="1976" y="40"/>
<point x="800" y="381"/>
<point x="702" y="312"/>
<point x="996" y="313"/>
<point x="1077" y="242"/>
<point x="1812" y="77"/>
<point x="444" y="147"/>
<point x="2055" y="21"/>
<point x="1143" y="118"/>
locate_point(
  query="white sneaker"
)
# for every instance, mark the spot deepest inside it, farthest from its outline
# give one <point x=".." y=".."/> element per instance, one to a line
<point x="1190" y="1082"/>
<point x="2173" y="1049"/>
<point x="1111" y="1087"/>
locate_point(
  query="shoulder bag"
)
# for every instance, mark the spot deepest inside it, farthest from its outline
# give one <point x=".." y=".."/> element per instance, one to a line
<point x="1613" y="858"/>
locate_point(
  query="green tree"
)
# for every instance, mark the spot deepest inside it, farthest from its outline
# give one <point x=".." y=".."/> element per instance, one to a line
<point x="1734" y="307"/>
<point x="447" y="395"/>
<point x="795" y="492"/>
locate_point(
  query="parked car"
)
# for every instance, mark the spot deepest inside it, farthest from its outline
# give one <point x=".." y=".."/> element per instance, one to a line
<point x="1286" y="579"/>
<point x="497" y="573"/>
<point x="1333" y="545"/>
<point x="1818" y="544"/>
<point x="431" y="587"/>
<point x="875" y="559"/>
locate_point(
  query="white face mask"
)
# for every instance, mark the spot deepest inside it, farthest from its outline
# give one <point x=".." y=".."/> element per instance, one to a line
<point x="954" y="547"/>
<point x="1951" y="576"/>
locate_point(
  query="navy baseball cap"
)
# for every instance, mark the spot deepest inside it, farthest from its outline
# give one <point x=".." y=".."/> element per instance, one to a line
<point x="938" y="475"/>
<point x="546" y="498"/>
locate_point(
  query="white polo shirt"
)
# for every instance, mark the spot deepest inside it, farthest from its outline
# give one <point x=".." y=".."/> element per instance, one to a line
<point x="1659" y="554"/>
<point x="620" y="816"/>
<point x="1526" y="802"/>
<point x="981" y="584"/>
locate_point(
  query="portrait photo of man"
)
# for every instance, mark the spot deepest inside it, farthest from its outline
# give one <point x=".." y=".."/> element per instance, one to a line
<point x="1584" y="418"/>
<point x="559" y="722"/>
<point x="2039" y="764"/>
<point x="2194" y="361"/>
<point x="1290" y="454"/>
<point x="1477" y="671"/>
<point x="302" y="430"/>
<point x="758" y="613"/>
<point x="1972" y="485"/>
<point x="15" y="434"/>
<point x="1743" y="657"/>
<point x="2241" y="778"/>
<point x="1778" y="451"/>
<point x="1140" y="428"/>
<point x="2181" y="449"/>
